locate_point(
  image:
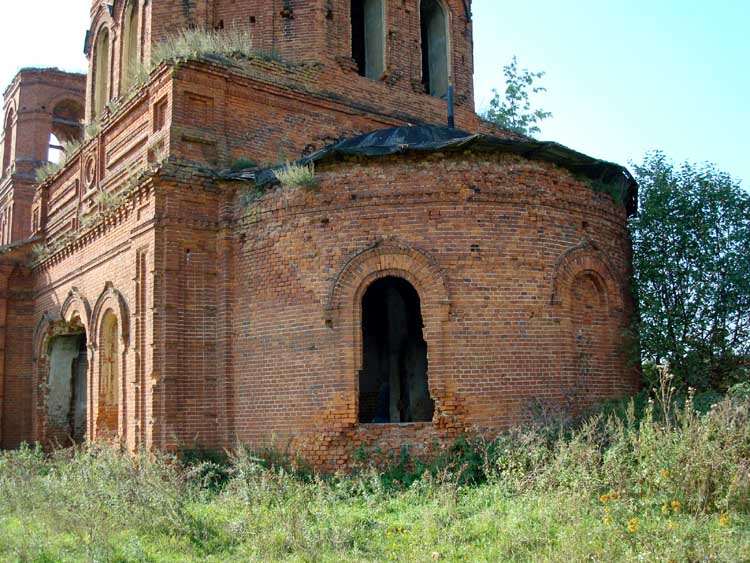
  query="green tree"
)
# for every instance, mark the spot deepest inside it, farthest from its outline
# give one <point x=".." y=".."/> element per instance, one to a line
<point x="514" y="110"/>
<point x="691" y="246"/>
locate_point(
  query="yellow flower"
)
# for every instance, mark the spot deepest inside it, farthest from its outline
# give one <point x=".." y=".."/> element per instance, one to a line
<point x="664" y="508"/>
<point x="676" y="505"/>
<point x="670" y="525"/>
<point x="664" y="473"/>
<point x="633" y="525"/>
<point x="607" y="520"/>
<point x="724" y="520"/>
<point x="604" y="499"/>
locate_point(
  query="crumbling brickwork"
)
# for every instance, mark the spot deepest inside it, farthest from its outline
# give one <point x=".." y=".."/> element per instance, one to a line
<point x="211" y="310"/>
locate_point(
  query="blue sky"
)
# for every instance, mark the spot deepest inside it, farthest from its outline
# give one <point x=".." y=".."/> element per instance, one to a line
<point x="623" y="77"/>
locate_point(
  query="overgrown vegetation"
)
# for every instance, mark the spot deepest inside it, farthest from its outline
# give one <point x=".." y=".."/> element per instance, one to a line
<point x="672" y="486"/>
<point x="691" y="261"/>
<point x="69" y="148"/>
<point x="190" y="44"/>
<point x="293" y="175"/>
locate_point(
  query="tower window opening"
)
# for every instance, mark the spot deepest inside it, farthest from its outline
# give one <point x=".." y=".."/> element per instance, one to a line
<point x="434" y="27"/>
<point x="393" y="385"/>
<point x="55" y="151"/>
<point x="7" y="142"/>
<point x="101" y="73"/>
<point x="368" y="37"/>
<point x="129" y="45"/>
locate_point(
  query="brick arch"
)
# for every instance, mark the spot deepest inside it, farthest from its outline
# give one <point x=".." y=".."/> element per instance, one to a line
<point x="586" y="257"/>
<point x="75" y="302"/>
<point x="42" y="331"/>
<point x="589" y="300"/>
<point x="111" y="299"/>
<point x="103" y="23"/>
<point x="344" y="310"/>
<point x="49" y="326"/>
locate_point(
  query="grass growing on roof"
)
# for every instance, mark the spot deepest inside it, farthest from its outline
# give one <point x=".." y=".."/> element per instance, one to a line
<point x="294" y="175"/>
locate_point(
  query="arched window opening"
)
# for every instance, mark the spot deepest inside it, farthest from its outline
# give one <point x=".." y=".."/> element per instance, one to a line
<point x="129" y="45"/>
<point x="101" y="73"/>
<point x="67" y="121"/>
<point x="368" y="37"/>
<point x="434" y="26"/>
<point x="106" y="419"/>
<point x="393" y="384"/>
<point x="7" y="141"/>
<point x="67" y="385"/>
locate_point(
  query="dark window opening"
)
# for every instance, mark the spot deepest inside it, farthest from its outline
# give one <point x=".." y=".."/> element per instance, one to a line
<point x="66" y="398"/>
<point x="7" y="142"/>
<point x="434" y="28"/>
<point x="368" y="37"/>
<point x="393" y="385"/>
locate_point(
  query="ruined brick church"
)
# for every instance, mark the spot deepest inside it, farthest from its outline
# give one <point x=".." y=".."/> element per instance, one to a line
<point x="164" y="289"/>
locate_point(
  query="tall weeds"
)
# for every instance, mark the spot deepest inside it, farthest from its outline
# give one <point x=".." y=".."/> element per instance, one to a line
<point x="617" y="488"/>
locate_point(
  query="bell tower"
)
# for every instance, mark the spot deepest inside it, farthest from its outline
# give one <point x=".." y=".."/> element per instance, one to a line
<point x="418" y="47"/>
<point x="43" y="108"/>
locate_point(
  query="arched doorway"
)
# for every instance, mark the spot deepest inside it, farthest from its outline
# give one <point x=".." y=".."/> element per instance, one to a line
<point x="393" y="386"/>
<point x="67" y="386"/>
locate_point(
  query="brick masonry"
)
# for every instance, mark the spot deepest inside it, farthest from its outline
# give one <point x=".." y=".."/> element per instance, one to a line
<point x="239" y="316"/>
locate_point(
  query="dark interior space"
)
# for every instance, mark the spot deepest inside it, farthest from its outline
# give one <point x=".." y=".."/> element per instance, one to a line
<point x="358" y="35"/>
<point x="393" y="382"/>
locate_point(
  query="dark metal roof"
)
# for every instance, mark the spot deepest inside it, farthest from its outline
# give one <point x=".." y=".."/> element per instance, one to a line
<point x="601" y="175"/>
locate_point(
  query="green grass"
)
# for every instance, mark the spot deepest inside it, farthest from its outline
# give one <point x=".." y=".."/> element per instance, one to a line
<point x="605" y="491"/>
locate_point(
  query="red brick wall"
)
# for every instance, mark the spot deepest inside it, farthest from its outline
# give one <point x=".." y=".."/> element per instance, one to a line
<point x="17" y="313"/>
<point x="506" y="255"/>
<point x="296" y="30"/>
<point x="98" y="273"/>
<point x="31" y="97"/>
<point x="268" y="111"/>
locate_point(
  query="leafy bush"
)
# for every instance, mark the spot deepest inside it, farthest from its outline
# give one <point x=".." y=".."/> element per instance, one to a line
<point x="691" y="261"/>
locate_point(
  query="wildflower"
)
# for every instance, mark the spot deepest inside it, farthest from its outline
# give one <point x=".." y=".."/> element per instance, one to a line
<point x="670" y="525"/>
<point x="724" y="520"/>
<point x="633" y="525"/>
<point x="664" y="473"/>
<point x="664" y="508"/>
<point x="675" y="505"/>
<point x="604" y="499"/>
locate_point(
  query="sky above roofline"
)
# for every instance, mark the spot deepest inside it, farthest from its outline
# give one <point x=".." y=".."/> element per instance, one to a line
<point x="623" y="77"/>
